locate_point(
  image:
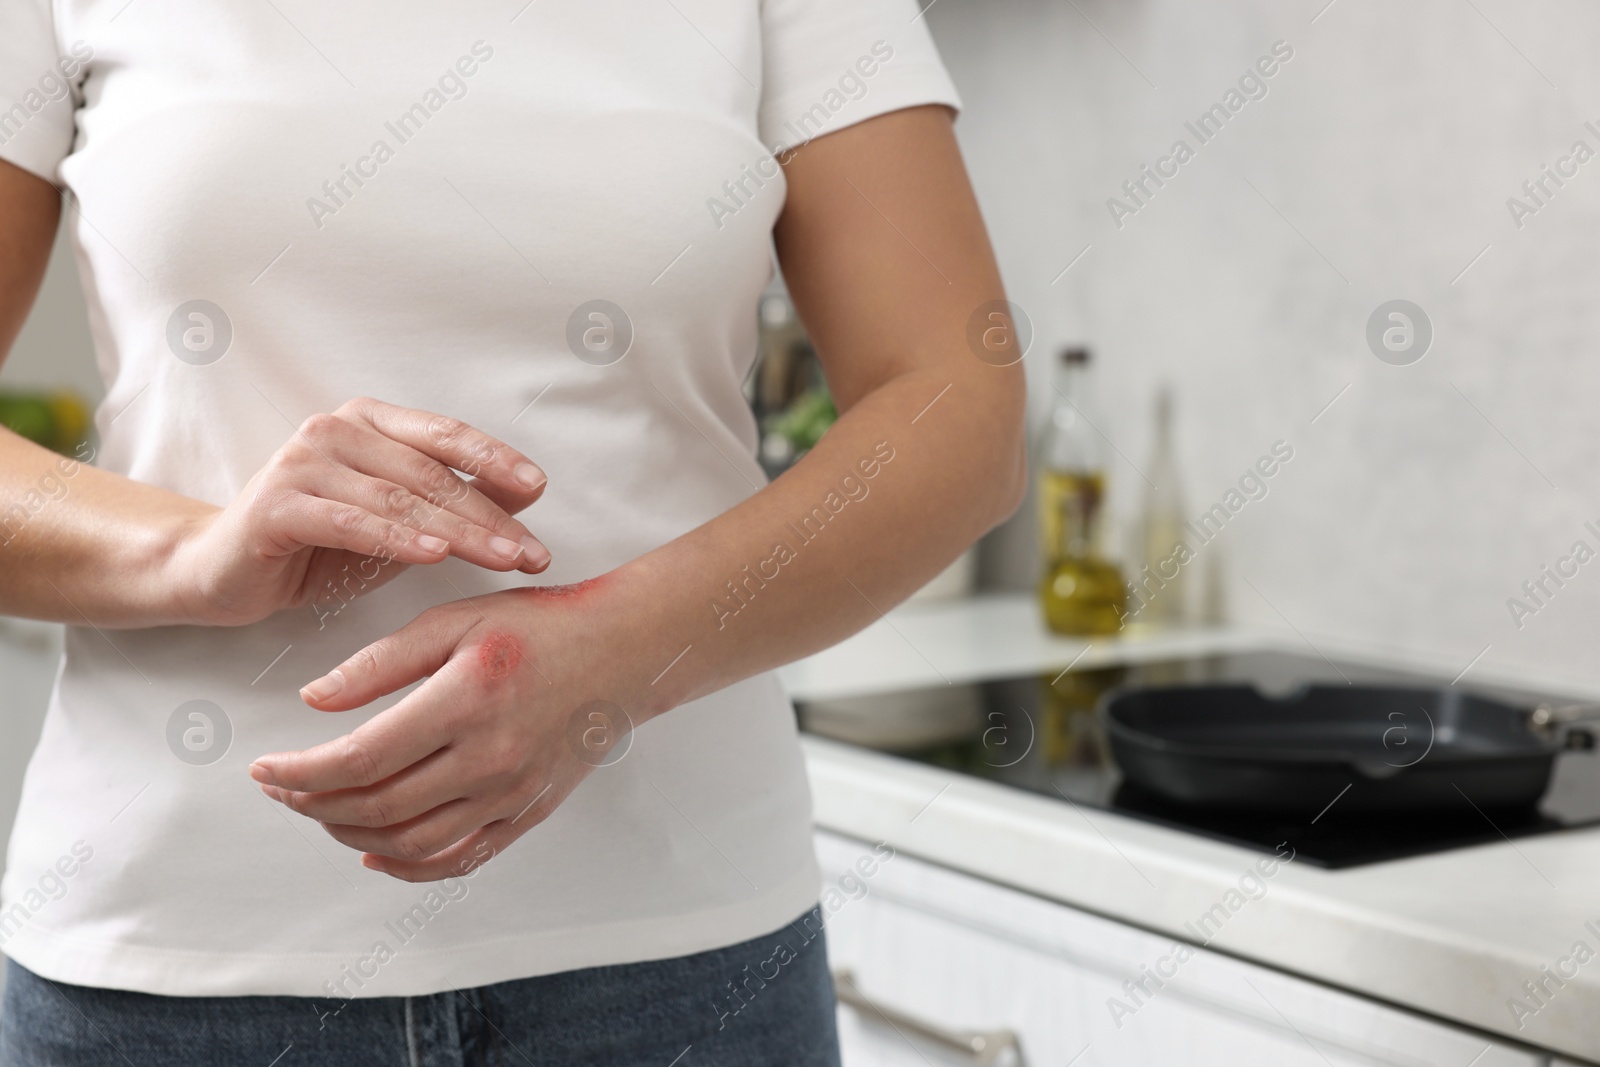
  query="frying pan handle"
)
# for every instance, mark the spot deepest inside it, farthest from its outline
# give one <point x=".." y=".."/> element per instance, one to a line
<point x="1550" y="719"/>
<point x="1549" y="716"/>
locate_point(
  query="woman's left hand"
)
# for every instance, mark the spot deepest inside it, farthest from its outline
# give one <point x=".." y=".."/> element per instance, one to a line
<point x="517" y="711"/>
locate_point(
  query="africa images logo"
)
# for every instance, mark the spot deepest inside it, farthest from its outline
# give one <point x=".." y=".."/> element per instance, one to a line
<point x="199" y="732"/>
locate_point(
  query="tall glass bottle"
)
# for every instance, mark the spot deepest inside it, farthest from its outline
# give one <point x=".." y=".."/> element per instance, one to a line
<point x="1082" y="591"/>
<point x="1161" y="550"/>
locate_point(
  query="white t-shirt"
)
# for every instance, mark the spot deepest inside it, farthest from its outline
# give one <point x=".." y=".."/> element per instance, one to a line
<point x="410" y="200"/>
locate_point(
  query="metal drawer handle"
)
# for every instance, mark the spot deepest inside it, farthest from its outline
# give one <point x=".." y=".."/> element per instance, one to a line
<point x="983" y="1046"/>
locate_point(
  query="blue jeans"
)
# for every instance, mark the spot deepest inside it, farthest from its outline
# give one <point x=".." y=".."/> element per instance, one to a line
<point x="712" y="1009"/>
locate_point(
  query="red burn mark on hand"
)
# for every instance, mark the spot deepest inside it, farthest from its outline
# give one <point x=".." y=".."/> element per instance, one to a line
<point x="562" y="592"/>
<point x="499" y="655"/>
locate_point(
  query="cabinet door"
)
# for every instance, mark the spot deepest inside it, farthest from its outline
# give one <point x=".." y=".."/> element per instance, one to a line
<point x="943" y="951"/>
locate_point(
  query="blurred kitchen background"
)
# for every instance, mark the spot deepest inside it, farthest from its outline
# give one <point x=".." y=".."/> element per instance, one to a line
<point x="1377" y="167"/>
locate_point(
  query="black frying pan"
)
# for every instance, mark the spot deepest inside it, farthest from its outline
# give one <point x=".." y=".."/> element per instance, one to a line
<point x="1396" y="749"/>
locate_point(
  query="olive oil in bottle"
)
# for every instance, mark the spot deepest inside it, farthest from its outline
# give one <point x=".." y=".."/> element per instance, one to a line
<point x="1082" y="592"/>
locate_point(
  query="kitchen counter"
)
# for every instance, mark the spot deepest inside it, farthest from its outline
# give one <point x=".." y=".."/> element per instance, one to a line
<point x="1453" y="934"/>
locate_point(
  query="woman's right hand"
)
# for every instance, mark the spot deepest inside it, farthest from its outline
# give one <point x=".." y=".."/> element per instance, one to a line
<point x="350" y="501"/>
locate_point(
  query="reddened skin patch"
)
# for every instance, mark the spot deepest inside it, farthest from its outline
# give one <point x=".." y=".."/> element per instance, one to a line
<point x="499" y="655"/>
<point x="562" y="592"/>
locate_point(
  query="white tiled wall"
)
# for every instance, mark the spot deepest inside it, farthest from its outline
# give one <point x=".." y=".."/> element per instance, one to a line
<point x="1377" y="166"/>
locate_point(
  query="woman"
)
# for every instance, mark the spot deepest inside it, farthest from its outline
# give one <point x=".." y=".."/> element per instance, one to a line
<point x="329" y="774"/>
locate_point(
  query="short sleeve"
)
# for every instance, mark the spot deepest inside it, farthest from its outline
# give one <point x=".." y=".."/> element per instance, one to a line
<point x="827" y="64"/>
<point x="39" y="88"/>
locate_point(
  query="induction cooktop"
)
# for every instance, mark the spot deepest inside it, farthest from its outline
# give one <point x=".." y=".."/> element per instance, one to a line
<point x="1041" y="734"/>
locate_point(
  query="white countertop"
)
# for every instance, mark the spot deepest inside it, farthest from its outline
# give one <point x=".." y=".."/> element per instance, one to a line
<point x="1454" y="934"/>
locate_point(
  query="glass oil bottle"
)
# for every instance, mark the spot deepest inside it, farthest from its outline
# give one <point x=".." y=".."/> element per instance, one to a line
<point x="1082" y="592"/>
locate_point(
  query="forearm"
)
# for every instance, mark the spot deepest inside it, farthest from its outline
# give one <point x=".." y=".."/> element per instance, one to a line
<point x="887" y="260"/>
<point x="894" y="492"/>
<point x="82" y="545"/>
<point x="76" y="544"/>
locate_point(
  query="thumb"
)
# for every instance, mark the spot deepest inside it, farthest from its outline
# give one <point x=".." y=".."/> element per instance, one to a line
<point x="410" y="654"/>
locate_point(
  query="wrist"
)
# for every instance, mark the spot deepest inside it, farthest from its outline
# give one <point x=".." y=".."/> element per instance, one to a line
<point x="177" y="593"/>
<point x="643" y="613"/>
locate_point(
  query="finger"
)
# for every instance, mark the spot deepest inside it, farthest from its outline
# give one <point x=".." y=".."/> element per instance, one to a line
<point x="301" y="521"/>
<point x="335" y="446"/>
<point x="418" y="649"/>
<point x="421" y="724"/>
<point x="481" y="546"/>
<point x="457" y="861"/>
<point x="452" y="441"/>
<point x="420" y="838"/>
<point x="416" y="790"/>
<point x="508" y="501"/>
<point x="472" y="850"/>
<point x="481" y="502"/>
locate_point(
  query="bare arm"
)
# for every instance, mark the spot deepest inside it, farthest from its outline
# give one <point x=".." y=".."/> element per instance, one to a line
<point x="60" y="544"/>
<point x="32" y="210"/>
<point x="82" y="545"/>
<point x="887" y="259"/>
<point x="55" y="553"/>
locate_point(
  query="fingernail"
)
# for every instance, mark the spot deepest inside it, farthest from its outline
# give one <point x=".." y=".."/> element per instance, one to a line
<point x="529" y="475"/>
<point x="262" y="773"/>
<point x="538" y="555"/>
<point x="505" y="547"/>
<point x="429" y="543"/>
<point x="323" y="687"/>
<point x="371" y="862"/>
<point x="272" y="792"/>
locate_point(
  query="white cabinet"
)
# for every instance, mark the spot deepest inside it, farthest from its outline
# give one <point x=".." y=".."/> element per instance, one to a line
<point x="935" y="949"/>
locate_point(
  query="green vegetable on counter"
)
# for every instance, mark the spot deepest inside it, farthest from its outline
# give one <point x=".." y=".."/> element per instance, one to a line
<point x="805" y="420"/>
<point x="58" y="421"/>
